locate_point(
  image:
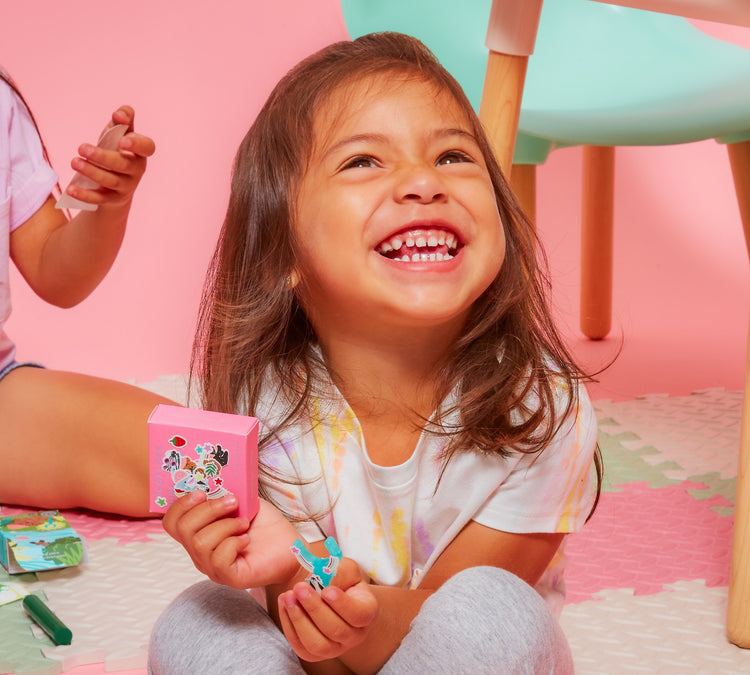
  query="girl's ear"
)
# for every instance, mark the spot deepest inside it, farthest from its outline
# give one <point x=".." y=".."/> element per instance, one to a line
<point x="292" y="279"/>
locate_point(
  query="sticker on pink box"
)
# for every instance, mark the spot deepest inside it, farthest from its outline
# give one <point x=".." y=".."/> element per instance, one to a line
<point x="202" y="450"/>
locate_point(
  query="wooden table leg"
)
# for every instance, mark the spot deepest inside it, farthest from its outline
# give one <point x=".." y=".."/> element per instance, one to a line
<point x="739" y="159"/>
<point x="738" y="610"/>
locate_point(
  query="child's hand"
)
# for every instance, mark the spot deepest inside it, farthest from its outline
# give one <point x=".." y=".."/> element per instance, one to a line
<point x="229" y="550"/>
<point x="117" y="172"/>
<point x="324" y="626"/>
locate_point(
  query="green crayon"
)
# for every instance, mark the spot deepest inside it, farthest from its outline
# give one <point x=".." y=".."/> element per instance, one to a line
<point x="47" y="620"/>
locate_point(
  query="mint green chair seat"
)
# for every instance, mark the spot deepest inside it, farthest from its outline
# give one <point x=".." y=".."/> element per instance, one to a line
<point x="600" y="76"/>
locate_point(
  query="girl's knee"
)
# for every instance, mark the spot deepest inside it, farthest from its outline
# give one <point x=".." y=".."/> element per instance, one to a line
<point x="491" y="621"/>
<point x="210" y="628"/>
<point x="195" y="611"/>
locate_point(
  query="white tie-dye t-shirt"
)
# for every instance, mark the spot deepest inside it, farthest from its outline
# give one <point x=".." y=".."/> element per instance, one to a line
<point x="395" y="523"/>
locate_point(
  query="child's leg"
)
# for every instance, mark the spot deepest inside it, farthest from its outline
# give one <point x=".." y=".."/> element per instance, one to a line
<point x="211" y="628"/>
<point x="483" y="620"/>
<point x="69" y="440"/>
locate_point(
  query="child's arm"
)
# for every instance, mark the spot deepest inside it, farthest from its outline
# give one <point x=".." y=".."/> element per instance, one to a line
<point x="63" y="261"/>
<point x="324" y="627"/>
<point x="230" y="550"/>
<point x="359" y="624"/>
<point x="234" y="552"/>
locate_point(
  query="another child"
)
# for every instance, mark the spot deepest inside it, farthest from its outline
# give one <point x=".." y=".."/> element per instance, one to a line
<point x="60" y="432"/>
<point x="375" y="301"/>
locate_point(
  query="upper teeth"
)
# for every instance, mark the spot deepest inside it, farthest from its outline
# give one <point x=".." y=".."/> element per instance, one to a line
<point x="419" y="241"/>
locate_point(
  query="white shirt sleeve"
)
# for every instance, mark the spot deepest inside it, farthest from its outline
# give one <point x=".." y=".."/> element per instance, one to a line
<point x="28" y="179"/>
<point x="552" y="491"/>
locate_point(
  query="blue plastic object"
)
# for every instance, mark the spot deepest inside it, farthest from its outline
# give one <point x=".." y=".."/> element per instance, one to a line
<point x="600" y="74"/>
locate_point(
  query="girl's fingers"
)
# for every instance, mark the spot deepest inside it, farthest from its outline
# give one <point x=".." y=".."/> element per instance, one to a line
<point x="217" y="553"/>
<point x="223" y="560"/>
<point x="112" y="161"/>
<point x="209" y="533"/>
<point x="116" y="173"/>
<point x="140" y="145"/>
<point x="86" y="196"/>
<point x="208" y="512"/>
<point x="131" y="146"/>
<point x="348" y="574"/>
<point x="357" y="607"/>
<point x="178" y="509"/>
<point x="207" y="539"/>
<point x="200" y="513"/>
<point x="322" y="615"/>
<point x="285" y="603"/>
<point x="316" y="628"/>
<point x="213" y="539"/>
<point x="301" y="633"/>
<point x="105" y="179"/>
<point x="124" y="115"/>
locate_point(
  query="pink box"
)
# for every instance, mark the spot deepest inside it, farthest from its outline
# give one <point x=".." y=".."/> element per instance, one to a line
<point x="202" y="450"/>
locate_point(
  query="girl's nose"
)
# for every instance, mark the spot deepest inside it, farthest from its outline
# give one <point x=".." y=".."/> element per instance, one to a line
<point x="420" y="184"/>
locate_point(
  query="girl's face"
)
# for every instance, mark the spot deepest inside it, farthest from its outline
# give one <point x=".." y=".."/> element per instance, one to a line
<point x="396" y="214"/>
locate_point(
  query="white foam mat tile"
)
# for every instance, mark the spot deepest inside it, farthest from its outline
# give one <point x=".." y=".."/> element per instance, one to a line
<point x="111" y="603"/>
<point x="700" y="432"/>
<point x="681" y="630"/>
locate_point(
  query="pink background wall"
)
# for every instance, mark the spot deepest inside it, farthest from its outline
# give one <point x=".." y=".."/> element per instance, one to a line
<point x="197" y="73"/>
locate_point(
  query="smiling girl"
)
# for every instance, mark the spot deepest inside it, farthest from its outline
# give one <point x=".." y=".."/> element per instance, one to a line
<point x="375" y="300"/>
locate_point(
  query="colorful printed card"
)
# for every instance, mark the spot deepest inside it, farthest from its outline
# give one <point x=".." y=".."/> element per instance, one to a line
<point x="202" y="450"/>
<point x="32" y="542"/>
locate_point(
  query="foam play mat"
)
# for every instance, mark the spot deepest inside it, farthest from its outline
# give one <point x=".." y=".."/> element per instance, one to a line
<point x="647" y="580"/>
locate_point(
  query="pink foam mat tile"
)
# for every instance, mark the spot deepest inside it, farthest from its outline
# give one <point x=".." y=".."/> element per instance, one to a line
<point x="92" y="525"/>
<point x="644" y="538"/>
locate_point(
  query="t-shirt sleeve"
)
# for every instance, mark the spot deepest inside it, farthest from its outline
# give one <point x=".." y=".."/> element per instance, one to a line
<point x="291" y="488"/>
<point x="552" y="491"/>
<point x="29" y="179"/>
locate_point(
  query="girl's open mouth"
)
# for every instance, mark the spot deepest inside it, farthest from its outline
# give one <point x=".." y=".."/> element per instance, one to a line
<point x="420" y="245"/>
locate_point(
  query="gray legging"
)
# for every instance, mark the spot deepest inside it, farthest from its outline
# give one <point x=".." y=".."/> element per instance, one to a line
<point x="482" y="620"/>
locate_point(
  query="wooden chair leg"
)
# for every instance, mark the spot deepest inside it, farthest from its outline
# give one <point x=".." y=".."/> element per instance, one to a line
<point x="739" y="158"/>
<point x="523" y="184"/>
<point x="511" y="33"/>
<point x="738" y="607"/>
<point x="596" y="240"/>
<point x="500" y="106"/>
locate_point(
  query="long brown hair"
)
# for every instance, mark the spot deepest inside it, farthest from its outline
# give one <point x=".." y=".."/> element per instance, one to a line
<point x="509" y="364"/>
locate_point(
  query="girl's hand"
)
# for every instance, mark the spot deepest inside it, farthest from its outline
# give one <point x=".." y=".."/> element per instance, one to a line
<point x="117" y="172"/>
<point x="320" y="627"/>
<point x="230" y="550"/>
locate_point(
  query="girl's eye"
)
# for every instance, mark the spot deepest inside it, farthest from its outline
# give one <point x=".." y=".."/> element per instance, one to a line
<point x="359" y="162"/>
<point x="453" y="157"/>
